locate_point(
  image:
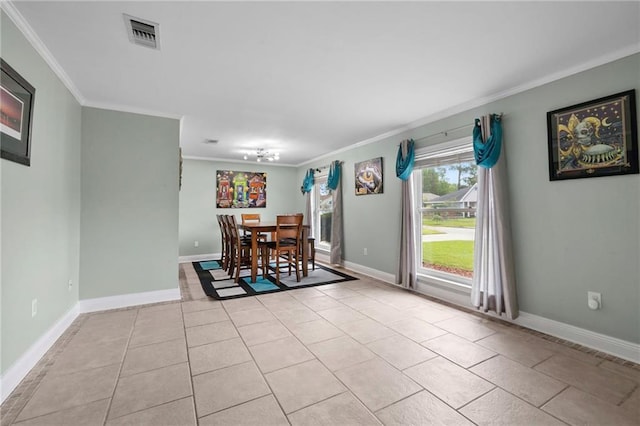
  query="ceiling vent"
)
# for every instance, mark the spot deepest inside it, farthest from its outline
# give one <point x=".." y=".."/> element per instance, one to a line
<point x="142" y="32"/>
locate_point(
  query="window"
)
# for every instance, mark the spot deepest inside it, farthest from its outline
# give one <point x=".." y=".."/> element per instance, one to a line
<point x="322" y="212"/>
<point x="445" y="178"/>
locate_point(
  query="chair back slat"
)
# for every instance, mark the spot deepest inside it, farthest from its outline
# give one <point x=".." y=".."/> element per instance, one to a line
<point x="250" y="218"/>
<point x="288" y="227"/>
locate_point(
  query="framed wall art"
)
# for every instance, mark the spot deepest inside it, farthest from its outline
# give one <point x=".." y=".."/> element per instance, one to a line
<point x="237" y="189"/>
<point x="16" y="112"/>
<point x="368" y="177"/>
<point x="594" y="138"/>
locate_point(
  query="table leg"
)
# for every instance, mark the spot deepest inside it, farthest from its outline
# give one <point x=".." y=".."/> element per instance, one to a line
<point x="305" y="252"/>
<point x="254" y="256"/>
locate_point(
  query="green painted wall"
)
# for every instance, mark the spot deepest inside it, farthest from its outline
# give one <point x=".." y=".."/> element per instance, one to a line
<point x="129" y="215"/>
<point x="198" y="201"/>
<point x="570" y="237"/>
<point x="40" y="207"/>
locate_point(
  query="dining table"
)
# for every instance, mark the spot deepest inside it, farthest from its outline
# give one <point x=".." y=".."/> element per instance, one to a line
<point x="257" y="228"/>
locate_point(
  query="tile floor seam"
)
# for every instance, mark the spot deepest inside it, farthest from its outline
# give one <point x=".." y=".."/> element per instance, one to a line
<point x="555" y="395"/>
<point x="186" y="344"/>
<point x="124" y="355"/>
<point x="208" y="343"/>
<point x="259" y="371"/>
<point x="239" y="404"/>
<point x="480" y="396"/>
<point x="587" y="392"/>
<point x="151" y="344"/>
<point x="150" y="407"/>
<point x="626" y="398"/>
<point x="551" y="414"/>
<point x="458" y="410"/>
<point x="422" y="389"/>
<point x="191" y="384"/>
<point x="347" y="391"/>
<point x="333" y="373"/>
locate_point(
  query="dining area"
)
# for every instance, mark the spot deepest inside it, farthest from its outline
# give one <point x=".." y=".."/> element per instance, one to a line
<point x="272" y="247"/>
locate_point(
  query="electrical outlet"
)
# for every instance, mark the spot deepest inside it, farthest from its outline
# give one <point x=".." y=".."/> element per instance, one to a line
<point x="34" y="307"/>
<point x="196" y="243"/>
<point x="365" y="251"/>
<point x="594" y="300"/>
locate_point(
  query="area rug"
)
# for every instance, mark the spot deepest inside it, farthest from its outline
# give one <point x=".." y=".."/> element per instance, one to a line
<point x="216" y="282"/>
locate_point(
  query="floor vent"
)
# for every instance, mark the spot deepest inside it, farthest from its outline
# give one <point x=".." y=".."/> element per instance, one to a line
<point x="143" y="32"/>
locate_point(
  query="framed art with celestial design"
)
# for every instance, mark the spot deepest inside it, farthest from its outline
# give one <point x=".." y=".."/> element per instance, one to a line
<point x="16" y="113"/>
<point x="368" y="177"/>
<point x="594" y="138"/>
<point x="237" y="189"/>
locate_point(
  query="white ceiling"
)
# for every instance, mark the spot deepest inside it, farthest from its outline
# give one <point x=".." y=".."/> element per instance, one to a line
<point x="310" y="78"/>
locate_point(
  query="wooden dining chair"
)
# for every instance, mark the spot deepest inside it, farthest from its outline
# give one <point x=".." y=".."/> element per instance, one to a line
<point x="286" y="245"/>
<point x="240" y="252"/>
<point x="252" y="218"/>
<point x="224" y="257"/>
<point x="311" y="247"/>
<point x="230" y="263"/>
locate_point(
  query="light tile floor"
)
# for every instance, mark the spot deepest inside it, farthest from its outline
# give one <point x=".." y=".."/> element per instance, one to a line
<point x="359" y="352"/>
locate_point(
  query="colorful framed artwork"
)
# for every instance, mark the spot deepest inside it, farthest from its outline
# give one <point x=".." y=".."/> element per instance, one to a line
<point x="238" y="189"/>
<point x="595" y="138"/>
<point x="16" y="112"/>
<point x="368" y="177"/>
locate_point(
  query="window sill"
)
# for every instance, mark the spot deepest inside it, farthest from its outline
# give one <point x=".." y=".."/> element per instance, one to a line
<point x="445" y="284"/>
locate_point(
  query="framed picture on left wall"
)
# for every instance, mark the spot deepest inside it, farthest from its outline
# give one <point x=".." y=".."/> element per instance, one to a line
<point x="16" y="114"/>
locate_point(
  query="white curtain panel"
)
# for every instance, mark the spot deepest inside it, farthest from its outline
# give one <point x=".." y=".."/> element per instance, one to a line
<point x="335" y="257"/>
<point x="308" y="218"/>
<point x="494" y="283"/>
<point x="406" y="274"/>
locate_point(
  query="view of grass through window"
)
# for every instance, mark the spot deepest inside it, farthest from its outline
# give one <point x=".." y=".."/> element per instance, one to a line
<point x="448" y="209"/>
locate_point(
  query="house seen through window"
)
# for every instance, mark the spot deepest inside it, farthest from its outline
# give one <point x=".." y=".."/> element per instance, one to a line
<point x="446" y="200"/>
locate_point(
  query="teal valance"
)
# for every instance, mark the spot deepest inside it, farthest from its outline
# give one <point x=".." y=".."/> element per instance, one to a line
<point x="405" y="159"/>
<point x="487" y="152"/>
<point x="307" y="183"/>
<point x="333" y="180"/>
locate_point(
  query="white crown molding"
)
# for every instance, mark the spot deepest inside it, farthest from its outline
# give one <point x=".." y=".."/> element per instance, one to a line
<point x="19" y="370"/>
<point x="28" y="32"/>
<point x="132" y="110"/>
<point x="466" y="106"/>
<point x="126" y="300"/>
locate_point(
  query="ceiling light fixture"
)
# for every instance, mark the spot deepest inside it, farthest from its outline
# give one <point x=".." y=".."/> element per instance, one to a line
<point x="262" y="154"/>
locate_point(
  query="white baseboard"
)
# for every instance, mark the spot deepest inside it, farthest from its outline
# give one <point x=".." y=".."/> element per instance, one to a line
<point x="198" y="257"/>
<point x="601" y="342"/>
<point x="370" y="272"/>
<point x="19" y="370"/>
<point x="126" y="300"/>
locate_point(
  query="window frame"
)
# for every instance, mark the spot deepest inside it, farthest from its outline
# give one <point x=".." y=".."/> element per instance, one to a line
<point x="315" y="208"/>
<point x="431" y="277"/>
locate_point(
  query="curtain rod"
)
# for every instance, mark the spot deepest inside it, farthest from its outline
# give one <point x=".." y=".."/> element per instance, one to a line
<point x="319" y="169"/>
<point x="446" y="132"/>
